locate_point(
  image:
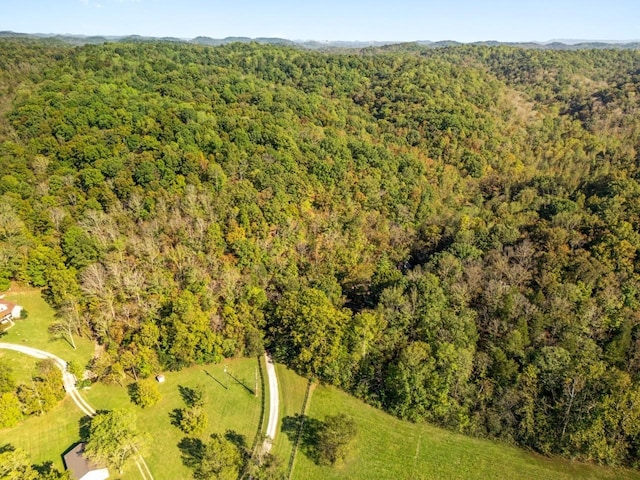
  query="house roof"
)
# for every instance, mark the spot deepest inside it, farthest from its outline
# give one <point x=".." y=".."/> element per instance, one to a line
<point x="78" y="464"/>
<point x="6" y="308"/>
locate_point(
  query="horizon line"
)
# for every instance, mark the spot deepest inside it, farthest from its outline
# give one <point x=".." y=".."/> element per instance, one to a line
<point x="566" y="41"/>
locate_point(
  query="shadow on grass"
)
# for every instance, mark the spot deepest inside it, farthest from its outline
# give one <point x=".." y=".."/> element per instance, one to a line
<point x="176" y="416"/>
<point x="132" y="390"/>
<point x="7" y="447"/>
<point x="46" y="470"/>
<point x="84" y="427"/>
<point x="240" y="441"/>
<point x="192" y="396"/>
<point x="218" y="381"/>
<point x="304" y="430"/>
<point x="240" y="382"/>
<point x="192" y="450"/>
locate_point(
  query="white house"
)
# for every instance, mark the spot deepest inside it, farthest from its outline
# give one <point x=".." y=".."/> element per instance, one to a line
<point x="81" y="468"/>
<point x="8" y="312"/>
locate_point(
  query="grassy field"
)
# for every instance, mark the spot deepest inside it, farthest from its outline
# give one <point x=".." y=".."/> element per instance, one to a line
<point x="387" y="448"/>
<point x="45" y="438"/>
<point x="32" y="331"/>
<point x="22" y="366"/>
<point x="384" y="448"/>
<point x="292" y="389"/>
<point x="230" y="406"/>
<point x="232" y="403"/>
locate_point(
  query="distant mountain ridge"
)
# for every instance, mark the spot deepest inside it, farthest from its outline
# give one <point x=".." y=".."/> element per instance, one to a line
<point x="567" y="44"/>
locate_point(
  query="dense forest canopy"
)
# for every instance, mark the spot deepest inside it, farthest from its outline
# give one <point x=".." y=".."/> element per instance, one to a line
<point x="450" y="234"/>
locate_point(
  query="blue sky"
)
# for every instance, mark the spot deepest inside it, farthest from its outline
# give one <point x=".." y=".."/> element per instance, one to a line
<point x="399" y="20"/>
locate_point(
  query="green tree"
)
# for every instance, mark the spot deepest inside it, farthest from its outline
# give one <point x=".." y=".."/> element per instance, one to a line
<point x="10" y="410"/>
<point x="145" y="393"/>
<point x="335" y="436"/>
<point x="7" y="381"/>
<point x="15" y="464"/>
<point x="220" y="459"/>
<point x="187" y="334"/>
<point x="75" y="369"/>
<point x="309" y="334"/>
<point x="113" y="439"/>
<point x="44" y="391"/>
<point x="193" y="420"/>
<point x="79" y="248"/>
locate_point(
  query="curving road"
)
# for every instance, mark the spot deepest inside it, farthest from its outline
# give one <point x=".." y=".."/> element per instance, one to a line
<point x="69" y="382"/>
<point x="274" y="404"/>
<point x="67" y="379"/>
<point x="70" y="387"/>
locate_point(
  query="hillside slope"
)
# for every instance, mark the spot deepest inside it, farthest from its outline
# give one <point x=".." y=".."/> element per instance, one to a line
<point x="449" y="234"/>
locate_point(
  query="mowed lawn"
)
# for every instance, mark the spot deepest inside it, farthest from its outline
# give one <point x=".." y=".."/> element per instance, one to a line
<point x="388" y="448"/>
<point x="22" y="366"/>
<point x="230" y="406"/>
<point x="292" y="388"/>
<point x="45" y="438"/>
<point x="33" y="331"/>
<point x="232" y="403"/>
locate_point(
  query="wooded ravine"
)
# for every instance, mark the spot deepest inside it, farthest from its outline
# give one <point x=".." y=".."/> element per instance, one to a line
<point x="450" y="234"/>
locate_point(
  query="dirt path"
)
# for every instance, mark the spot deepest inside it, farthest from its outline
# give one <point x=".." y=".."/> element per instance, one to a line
<point x="70" y="387"/>
<point x="274" y="403"/>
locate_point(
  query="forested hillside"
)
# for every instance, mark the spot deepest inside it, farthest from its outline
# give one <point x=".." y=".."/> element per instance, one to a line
<point x="450" y="234"/>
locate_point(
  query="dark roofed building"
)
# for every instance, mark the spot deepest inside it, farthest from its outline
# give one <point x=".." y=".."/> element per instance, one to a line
<point x="81" y="468"/>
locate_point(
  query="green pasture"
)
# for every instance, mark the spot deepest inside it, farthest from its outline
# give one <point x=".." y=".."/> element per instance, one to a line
<point x="232" y="402"/>
<point x="292" y="389"/>
<point x="45" y="438"/>
<point x="388" y="448"/>
<point x="33" y="331"/>
<point x="231" y="405"/>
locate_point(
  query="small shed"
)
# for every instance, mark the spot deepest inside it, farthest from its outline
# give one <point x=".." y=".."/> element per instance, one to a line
<point x="160" y="378"/>
<point x="81" y="468"/>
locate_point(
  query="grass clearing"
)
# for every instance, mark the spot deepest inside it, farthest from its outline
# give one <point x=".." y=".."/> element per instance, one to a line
<point x="22" y="366"/>
<point x="386" y="447"/>
<point x="230" y="406"/>
<point x="45" y="438"/>
<point x="232" y="403"/>
<point x="292" y="388"/>
<point x="33" y="331"/>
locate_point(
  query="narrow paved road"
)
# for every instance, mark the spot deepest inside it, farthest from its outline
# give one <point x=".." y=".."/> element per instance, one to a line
<point x="69" y="383"/>
<point x="67" y="379"/>
<point x="274" y="403"/>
